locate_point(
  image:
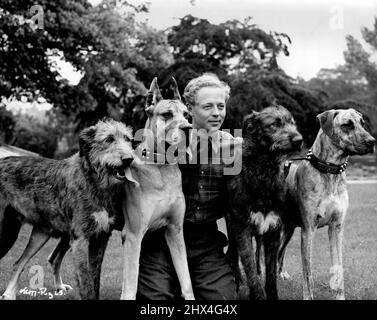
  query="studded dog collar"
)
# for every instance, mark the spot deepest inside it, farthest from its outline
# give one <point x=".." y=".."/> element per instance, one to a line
<point x="320" y="165"/>
<point x="324" y="166"/>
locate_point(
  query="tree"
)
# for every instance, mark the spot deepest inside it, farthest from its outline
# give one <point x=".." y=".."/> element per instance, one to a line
<point x="360" y="60"/>
<point x="6" y="125"/>
<point x="33" y="135"/>
<point x="115" y="53"/>
<point x="354" y="84"/>
<point x="245" y="56"/>
<point x="26" y="53"/>
<point x="200" y="46"/>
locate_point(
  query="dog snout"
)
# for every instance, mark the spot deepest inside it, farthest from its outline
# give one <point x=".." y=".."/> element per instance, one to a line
<point x="297" y="142"/>
<point x="185" y="126"/>
<point x="370" y="142"/>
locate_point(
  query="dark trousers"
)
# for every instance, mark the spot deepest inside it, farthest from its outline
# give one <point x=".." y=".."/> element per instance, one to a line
<point x="210" y="271"/>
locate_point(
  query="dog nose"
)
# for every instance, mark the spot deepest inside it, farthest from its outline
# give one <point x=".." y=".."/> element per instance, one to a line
<point x="371" y="142"/>
<point x="185" y="126"/>
<point x="297" y="142"/>
<point x="127" y="161"/>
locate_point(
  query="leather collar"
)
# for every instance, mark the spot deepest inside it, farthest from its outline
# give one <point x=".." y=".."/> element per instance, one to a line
<point x="324" y="166"/>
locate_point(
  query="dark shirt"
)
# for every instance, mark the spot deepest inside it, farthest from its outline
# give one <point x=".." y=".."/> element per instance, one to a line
<point x="204" y="184"/>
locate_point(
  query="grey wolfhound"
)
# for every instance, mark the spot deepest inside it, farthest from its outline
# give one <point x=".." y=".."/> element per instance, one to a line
<point x="257" y="197"/>
<point x="75" y="199"/>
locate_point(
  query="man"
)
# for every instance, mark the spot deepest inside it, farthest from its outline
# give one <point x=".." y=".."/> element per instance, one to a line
<point x="204" y="185"/>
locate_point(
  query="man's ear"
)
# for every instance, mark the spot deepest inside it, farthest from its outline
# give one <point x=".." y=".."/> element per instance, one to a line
<point x="326" y="121"/>
<point x="86" y="139"/>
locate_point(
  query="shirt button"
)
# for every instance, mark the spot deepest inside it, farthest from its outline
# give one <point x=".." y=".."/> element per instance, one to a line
<point x="197" y="208"/>
<point x="202" y="172"/>
<point x="201" y="187"/>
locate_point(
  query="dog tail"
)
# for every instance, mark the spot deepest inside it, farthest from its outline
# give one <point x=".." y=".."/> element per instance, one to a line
<point x="10" y="226"/>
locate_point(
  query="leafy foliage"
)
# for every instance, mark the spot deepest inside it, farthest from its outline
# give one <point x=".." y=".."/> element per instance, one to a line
<point x="6" y="125"/>
<point x="354" y="84"/>
<point x="119" y="56"/>
<point x="31" y="134"/>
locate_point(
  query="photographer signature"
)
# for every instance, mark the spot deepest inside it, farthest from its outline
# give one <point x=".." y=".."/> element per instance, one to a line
<point x="41" y="292"/>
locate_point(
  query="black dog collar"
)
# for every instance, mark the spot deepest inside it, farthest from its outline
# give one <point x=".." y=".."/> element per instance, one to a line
<point x="325" y="167"/>
<point x="320" y="165"/>
<point x="155" y="157"/>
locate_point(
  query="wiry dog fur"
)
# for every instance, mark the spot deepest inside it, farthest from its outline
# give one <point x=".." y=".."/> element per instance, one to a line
<point x="75" y="199"/>
<point x="319" y="199"/>
<point x="257" y="195"/>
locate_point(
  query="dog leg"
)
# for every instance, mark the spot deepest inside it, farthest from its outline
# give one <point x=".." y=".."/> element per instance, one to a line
<point x="306" y="255"/>
<point x="246" y="251"/>
<point x="258" y="241"/>
<point x="336" y="244"/>
<point x="271" y="241"/>
<point x="37" y="240"/>
<point x="287" y="234"/>
<point x="131" y="256"/>
<point x="10" y="227"/>
<point x="55" y="259"/>
<point x="232" y="255"/>
<point x="84" y="276"/>
<point x="177" y="247"/>
<point x="97" y="247"/>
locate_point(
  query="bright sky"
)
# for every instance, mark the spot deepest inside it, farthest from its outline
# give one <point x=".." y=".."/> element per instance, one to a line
<point x="317" y="27"/>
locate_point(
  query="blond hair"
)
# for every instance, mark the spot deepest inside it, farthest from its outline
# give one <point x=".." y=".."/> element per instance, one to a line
<point x="205" y="80"/>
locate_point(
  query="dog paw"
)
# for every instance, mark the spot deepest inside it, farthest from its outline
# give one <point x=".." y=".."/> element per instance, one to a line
<point x="340" y="296"/>
<point x="285" y="275"/>
<point x="336" y="280"/>
<point x="63" y="288"/>
<point x="7" y="297"/>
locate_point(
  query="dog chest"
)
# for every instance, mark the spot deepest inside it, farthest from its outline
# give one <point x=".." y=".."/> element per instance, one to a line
<point x="333" y="207"/>
<point x="264" y="223"/>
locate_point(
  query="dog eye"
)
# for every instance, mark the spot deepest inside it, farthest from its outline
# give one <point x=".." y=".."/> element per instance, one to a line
<point x="276" y="123"/>
<point x="348" y="125"/>
<point x="109" y="139"/>
<point x="186" y="114"/>
<point x="167" y="115"/>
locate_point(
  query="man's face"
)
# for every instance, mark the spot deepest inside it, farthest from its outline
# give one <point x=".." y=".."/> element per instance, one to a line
<point x="209" y="110"/>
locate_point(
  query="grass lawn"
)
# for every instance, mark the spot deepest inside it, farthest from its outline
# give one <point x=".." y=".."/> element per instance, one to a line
<point x="360" y="257"/>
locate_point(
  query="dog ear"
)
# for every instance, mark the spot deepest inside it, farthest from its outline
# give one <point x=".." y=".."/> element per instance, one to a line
<point x="326" y="120"/>
<point x="156" y="93"/>
<point x="249" y="120"/>
<point x="174" y="87"/>
<point x="152" y="98"/>
<point x="85" y="140"/>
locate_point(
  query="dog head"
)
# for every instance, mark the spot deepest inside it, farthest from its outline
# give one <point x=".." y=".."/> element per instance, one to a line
<point x="274" y="129"/>
<point x="167" y="119"/>
<point x="346" y="129"/>
<point x="107" y="149"/>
